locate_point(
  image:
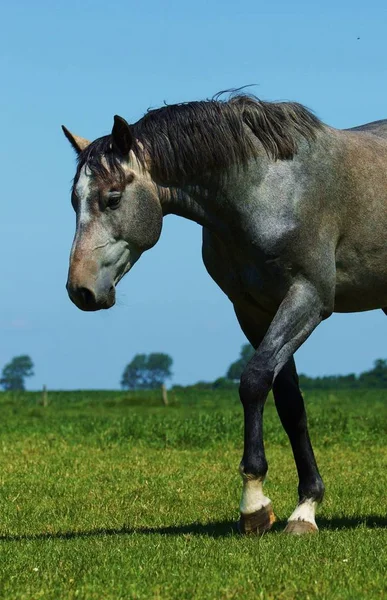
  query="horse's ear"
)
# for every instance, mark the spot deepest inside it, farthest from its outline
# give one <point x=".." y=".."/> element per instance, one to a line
<point x="77" y="142"/>
<point x="122" y="135"/>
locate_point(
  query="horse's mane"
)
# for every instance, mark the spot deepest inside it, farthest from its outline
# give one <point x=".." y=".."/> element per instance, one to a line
<point x="189" y="139"/>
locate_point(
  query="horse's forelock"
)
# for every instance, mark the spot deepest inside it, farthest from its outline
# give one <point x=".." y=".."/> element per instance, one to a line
<point x="101" y="160"/>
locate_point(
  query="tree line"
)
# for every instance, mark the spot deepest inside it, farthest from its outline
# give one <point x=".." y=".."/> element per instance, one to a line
<point x="151" y="371"/>
<point x="374" y="378"/>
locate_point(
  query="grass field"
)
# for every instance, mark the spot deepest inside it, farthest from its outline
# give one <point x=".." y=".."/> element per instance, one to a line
<point x="111" y="495"/>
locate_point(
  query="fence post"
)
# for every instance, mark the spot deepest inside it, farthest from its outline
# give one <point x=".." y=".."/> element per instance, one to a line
<point x="44" y="396"/>
<point x="164" y="394"/>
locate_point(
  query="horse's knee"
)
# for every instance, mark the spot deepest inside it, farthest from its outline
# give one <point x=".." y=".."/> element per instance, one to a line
<point x="255" y="384"/>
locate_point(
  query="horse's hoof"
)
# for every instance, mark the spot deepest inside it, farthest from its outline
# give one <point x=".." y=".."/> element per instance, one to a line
<point x="300" y="527"/>
<point x="258" y="522"/>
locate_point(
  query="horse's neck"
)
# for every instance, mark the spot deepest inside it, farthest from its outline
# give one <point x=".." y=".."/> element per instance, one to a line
<point x="187" y="204"/>
<point x="213" y="203"/>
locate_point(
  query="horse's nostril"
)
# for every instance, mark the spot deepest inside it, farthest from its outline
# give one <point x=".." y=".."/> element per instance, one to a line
<point x="86" y="296"/>
<point x="93" y="298"/>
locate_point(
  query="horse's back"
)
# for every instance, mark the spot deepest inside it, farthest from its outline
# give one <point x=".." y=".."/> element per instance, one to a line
<point x="378" y="128"/>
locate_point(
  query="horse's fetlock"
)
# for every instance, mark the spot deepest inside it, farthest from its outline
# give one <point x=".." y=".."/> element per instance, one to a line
<point x="254" y="468"/>
<point x="312" y="489"/>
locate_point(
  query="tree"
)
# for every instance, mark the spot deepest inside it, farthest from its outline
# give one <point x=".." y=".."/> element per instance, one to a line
<point x="236" y="369"/>
<point x="159" y="369"/>
<point x="133" y="375"/>
<point x="15" y="372"/>
<point x="376" y="377"/>
<point x="147" y="372"/>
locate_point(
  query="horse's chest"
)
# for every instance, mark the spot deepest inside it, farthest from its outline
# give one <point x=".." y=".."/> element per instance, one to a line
<point x="242" y="277"/>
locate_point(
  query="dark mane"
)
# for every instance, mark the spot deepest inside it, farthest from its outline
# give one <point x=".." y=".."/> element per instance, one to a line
<point x="186" y="140"/>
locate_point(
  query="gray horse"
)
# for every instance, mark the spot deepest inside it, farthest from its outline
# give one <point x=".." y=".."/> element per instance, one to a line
<point x="294" y="217"/>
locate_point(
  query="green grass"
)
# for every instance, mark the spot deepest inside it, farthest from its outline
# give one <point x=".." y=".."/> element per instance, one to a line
<point x="111" y="495"/>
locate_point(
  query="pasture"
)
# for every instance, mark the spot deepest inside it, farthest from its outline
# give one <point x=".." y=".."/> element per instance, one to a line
<point x="111" y="495"/>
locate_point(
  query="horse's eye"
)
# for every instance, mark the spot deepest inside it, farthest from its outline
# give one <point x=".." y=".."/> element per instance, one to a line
<point x="114" y="200"/>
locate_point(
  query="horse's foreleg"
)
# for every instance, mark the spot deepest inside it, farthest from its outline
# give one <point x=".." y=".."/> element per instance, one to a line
<point x="300" y="312"/>
<point x="291" y="410"/>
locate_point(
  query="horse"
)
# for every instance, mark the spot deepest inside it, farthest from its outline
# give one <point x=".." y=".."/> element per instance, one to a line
<point x="294" y="221"/>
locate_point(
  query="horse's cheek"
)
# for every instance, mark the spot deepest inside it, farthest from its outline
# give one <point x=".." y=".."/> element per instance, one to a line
<point x="145" y="221"/>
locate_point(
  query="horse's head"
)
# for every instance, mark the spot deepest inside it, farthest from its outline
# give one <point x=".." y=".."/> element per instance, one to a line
<point x="118" y="216"/>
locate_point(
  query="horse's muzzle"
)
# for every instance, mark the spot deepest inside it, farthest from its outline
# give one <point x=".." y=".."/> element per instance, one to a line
<point x="89" y="299"/>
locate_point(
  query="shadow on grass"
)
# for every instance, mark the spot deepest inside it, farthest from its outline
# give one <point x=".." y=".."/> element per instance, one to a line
<point x="339" y="523"/>
<point x="220" y="529"/>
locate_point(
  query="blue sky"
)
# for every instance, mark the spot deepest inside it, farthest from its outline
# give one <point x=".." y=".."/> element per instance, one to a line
<point x="79" y="63"/>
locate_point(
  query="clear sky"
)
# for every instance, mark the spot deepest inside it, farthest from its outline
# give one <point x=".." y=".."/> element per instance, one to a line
<point x="79" y="63"/>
